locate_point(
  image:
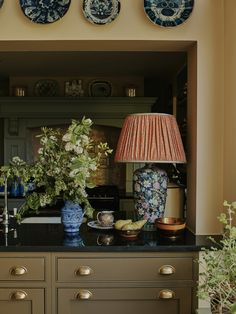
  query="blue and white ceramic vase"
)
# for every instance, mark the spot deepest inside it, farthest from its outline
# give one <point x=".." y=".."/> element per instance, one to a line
<point x="150" y="191"/>
<point x="72" y="217"/>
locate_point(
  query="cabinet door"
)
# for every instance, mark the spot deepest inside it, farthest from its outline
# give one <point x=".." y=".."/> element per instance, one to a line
<point x="124" y="300"/>
<point x="21" y="301"/>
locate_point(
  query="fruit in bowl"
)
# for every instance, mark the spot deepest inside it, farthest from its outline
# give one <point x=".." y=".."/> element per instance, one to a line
<point x="129" y="229"/>
<point x="120" y="223"/>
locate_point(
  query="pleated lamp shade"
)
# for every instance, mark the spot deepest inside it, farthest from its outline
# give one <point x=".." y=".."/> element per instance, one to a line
<point x="150" y="137"/>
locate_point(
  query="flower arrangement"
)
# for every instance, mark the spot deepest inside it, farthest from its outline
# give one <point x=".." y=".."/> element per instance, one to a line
<point x="218" y="278"/>
<point x="65" y="167"/>
<point x="16" y="169"/>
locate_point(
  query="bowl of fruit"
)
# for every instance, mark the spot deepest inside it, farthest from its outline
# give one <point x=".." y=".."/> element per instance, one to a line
<point x="129" y="229"/>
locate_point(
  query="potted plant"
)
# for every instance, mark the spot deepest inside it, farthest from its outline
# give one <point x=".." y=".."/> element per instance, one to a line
<point x="14" y="177"/>
<point x="64" y="168"/>
<point x="218" y="276"/>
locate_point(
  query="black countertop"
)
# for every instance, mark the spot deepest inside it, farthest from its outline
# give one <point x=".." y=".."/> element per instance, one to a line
<point x="51" y="238"/>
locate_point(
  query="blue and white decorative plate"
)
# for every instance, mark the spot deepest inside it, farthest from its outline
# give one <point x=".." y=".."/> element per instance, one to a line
<point x="101" y="11"/>
<point x="44" y="11"/>
<point x="168" y="13"/>
<point x="1" y="3"/>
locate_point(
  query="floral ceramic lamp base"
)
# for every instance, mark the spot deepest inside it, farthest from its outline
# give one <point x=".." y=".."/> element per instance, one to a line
<point x="150" y="191"/>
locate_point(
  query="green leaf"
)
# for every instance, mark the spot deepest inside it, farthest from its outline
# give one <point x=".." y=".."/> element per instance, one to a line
<point x="233" y="308"/>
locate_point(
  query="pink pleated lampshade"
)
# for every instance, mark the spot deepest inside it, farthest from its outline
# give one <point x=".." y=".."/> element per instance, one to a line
<point x="150" y="137"/>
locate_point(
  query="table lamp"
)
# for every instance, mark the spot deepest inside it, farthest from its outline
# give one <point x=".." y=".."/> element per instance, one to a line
<point x="150" y="138"/>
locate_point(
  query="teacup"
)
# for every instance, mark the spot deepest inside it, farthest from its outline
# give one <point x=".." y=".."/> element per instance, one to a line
<point x="105" y="218"/>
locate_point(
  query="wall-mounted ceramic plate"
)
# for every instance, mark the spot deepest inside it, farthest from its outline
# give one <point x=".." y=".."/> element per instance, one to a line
<point x="168" y="13"/>
<point x="100" y="89"/>
<point x="44" y="11"/>
<point x="1" y="3"/>
<point x="101" y="11"/>
<point x="46" y="88"/>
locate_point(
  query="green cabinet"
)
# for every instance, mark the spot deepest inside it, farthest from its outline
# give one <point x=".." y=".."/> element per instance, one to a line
<point x="21" y="300"/>
<point x="125" y="282"/>
<point x="86" y="282"/>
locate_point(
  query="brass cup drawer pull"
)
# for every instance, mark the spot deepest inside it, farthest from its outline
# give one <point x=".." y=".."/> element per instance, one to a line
<point x="167" y="270"/>
<point x="84" y="271"/>
<point x="18" y="295"/>
<point x="18" y="271"/>
<point x="84" y="295"/>
<point x="166" y="294"/>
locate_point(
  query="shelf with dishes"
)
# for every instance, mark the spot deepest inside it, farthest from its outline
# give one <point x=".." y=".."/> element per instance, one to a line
<point x="77" y="86"/>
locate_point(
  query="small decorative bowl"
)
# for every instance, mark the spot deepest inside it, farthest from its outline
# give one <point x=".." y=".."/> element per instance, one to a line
<point x="170" y="226"/>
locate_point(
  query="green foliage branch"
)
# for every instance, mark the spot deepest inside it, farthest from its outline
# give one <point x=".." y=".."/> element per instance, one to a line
<point x="218" y="276"/>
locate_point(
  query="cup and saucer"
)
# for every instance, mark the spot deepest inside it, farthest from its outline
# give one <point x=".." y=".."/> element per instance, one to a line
<point x="105" y="220"/>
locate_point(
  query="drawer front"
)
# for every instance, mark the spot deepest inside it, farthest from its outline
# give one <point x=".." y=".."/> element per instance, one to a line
<point x="128" y="269"/>
<point x="124" y="300"/>
<point x="19" y="268"/>
<point x="22" y="301"/>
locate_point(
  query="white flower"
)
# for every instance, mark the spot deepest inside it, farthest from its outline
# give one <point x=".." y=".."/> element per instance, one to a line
<point x="73" y="173"/>
<point x="40" y="151"/>
<point x="57" y="170"/>
<point x="66" y="137"/>
<point x="44" y="200"/>
<point x="69" y="146"/>
<point x="43" y="140"/>
<point x="78" y="149"/>
<point x="93" y="167"/>
<point x="84" y="139"/>
<point x="78" y="142"/>
<point x="17" y="161"/>
<point x="52" y="137"/>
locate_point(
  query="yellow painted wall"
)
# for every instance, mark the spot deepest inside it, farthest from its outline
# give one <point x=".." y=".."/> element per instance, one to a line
<point x="230" y="102"/>
<point x="202" y="35"/>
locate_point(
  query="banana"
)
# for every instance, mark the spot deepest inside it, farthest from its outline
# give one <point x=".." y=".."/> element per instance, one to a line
<point x="120" y="223"/>
<point x="136" y="225"/>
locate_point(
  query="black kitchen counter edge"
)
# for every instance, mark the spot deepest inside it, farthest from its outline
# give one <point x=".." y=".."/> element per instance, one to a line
<point x="51" y="238"/>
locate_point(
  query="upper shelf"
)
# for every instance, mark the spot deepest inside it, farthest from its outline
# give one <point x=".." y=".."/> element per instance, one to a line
<point x="64" y="107"/>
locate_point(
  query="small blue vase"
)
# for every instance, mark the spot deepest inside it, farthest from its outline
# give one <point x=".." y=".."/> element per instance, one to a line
<point x="14" y="190"/>
<point x="72" y="217"/>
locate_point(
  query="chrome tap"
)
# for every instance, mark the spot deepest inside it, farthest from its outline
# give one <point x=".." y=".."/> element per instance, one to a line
<point x="5" y="210"/>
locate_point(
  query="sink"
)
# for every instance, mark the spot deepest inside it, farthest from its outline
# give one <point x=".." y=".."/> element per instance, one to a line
<point x="41" y="220"/>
